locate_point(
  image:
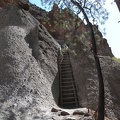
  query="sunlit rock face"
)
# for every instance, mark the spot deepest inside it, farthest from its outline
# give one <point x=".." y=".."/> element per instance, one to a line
<point x="28" y="65"/>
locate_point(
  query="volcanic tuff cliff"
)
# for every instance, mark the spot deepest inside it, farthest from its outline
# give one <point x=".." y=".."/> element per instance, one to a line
<point x="65" y="25"/>
<point x="29" y="83"/>
<point x="28" y="62"/>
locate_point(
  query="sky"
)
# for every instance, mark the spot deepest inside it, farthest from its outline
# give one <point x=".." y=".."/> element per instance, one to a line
<point x="112" y="26"/>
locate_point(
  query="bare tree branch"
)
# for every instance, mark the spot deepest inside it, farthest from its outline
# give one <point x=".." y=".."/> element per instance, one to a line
<point x="101" y="105"/>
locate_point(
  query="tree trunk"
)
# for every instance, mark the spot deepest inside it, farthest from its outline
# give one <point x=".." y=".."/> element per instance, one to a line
<point x="101" y="104"/>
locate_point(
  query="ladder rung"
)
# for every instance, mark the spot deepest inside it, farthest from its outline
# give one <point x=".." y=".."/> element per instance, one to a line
<point x="65" y="98"/>
<point x="66" y="71"/>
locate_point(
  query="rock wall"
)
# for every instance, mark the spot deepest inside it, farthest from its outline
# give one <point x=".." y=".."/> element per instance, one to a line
<point x="104" y="49"/>
<point x="118" y="4"/>
<point x="86" y="78"/>
<point x="28" y="65"/>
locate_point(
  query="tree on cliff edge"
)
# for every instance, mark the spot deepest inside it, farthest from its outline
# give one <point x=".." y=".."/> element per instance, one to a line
<point x="91" y="10"/>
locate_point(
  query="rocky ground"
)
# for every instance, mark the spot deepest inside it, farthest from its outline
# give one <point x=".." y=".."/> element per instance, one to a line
<point x="38" y="113"/>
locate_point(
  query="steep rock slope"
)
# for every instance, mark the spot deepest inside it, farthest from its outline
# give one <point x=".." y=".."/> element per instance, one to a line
<point x="28" y="64"/>
<point x="66" y="26"/>
<point x="86" y="78"/>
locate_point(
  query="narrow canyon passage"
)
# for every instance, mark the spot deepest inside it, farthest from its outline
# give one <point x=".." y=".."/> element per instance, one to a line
<point x="68" y="94"/>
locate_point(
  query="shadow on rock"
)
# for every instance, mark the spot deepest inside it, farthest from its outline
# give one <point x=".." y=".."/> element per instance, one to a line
<point x="55" y="88"/>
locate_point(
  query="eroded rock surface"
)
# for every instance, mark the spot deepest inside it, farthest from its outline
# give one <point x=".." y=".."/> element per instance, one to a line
<point x="29" y="75"/>
<point x="28" y="65"/>
<point x="86" y="78"/>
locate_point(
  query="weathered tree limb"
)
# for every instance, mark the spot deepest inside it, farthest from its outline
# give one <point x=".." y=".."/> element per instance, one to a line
<point x="101" y="104"/>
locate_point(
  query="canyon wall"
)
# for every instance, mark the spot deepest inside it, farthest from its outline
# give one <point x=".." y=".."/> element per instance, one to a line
<point x="28" y="65"/>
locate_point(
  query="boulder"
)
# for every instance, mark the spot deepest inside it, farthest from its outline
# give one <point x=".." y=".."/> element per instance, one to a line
<point x="64" y="113"/>
<point x="54" y="110"/>
<point x="77" y="112"/>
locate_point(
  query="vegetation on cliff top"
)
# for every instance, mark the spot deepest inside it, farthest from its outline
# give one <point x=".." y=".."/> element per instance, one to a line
<point x="116" y="59"/>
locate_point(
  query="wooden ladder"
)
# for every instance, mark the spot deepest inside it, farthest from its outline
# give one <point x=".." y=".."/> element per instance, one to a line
<point x="68" y="94"/>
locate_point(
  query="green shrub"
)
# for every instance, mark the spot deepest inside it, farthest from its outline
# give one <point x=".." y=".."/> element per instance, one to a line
<point x="116" y="59"/>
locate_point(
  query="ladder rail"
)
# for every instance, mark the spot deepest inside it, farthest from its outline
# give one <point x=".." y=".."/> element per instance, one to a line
<point x="65" y="83"/>
<point x="76" y="94"/>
